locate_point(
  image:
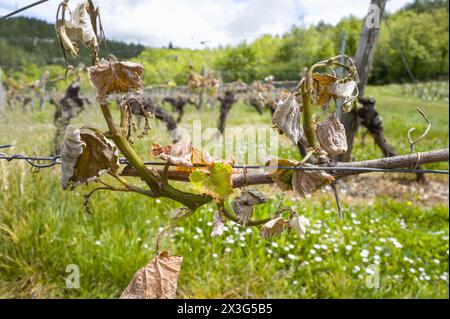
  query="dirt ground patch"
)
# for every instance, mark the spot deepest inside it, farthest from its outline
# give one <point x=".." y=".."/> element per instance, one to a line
<point x="360" y="188"/>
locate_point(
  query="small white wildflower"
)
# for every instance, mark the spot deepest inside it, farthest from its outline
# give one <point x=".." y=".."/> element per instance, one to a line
<point x="291" y="257"/>
<point x="97" y="242"/>
<point x="145" y="246"/>
<point x="227" y="250"/>
<point x="364" y="253"/>
<point x="198" y="230"/>
<point x="195" y="236"/>
<point x="356" y="269"/>
<point x="370" y="271"/>
<point x="215" y="255"/>
<point x="249" y="231"/>
<point x="378" y="248"/>
<point x="324" y="247"/>
<point x="316" y="246"/>
<point x="281" y="260"/>
<point x="269" y="251"/>
<point x="275" y="245"/>
<point x="412" y="270"/>
<point x="295" y="282"/>
<point x="348" y="247"/>
<point x="158" y="201"/>
<point x="318" y="259"/>
<point x="209" y="224"/>
<point x="312" y="252"/>
<point x="436" y="261"/>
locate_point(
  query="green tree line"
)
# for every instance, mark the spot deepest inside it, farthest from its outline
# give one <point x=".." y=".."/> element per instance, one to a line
<point x="415" y="37"/>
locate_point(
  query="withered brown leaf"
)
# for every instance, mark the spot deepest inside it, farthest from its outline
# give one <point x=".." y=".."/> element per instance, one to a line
<point x="308" y="181"/>
<point x="298" y="224"/>
<point x="283" y="177"/>
<point x="243" y="204"/>
<point x="218" y="225"/>
<point x="77" y="30"/>
<point x="287" y="118"/>
<point x="321" y="83"/>
<point x="115" y="77"/>
<point x="331" y="136"/>
<point x="273" y="227"/>
<point x="97" y="157"/>
<point x="157" y="280"/>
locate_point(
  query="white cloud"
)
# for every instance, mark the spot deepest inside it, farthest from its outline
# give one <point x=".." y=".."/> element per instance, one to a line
<point x="187" y="23"/>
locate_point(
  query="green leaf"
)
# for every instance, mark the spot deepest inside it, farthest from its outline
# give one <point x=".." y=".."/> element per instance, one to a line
<point x="215" y="181"/>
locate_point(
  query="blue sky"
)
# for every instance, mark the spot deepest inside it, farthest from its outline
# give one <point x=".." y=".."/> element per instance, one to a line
<point x="187" y="23"/>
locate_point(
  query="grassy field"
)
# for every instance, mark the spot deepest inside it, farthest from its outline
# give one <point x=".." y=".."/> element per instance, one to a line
<point x="43" y="229"/>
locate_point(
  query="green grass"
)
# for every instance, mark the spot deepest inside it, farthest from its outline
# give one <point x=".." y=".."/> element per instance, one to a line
<point x="43" y="229"/>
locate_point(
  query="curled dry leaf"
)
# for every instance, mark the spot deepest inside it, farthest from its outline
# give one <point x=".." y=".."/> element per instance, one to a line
<point x="283" y="177"/>
<point x="98" y="156"/>
<point x="77" y="30"/>
<point x="287" y="118"/>
<point x="328" y="86"/>
<point x="115" y="77"/>
<point x="71" y="150"/>
<point x="299" y="224"/>
<point x="243" y="204"/>
<point x="331" y="136"/>
<point x="218" y="225"/>
<point x="309" y="181"/>
<point x="157" y="280"/>
<point x="179" y="153"/>
<point x="321" y="83"/>
<point x="273" y="227"/>
<point x="344" y="91"/>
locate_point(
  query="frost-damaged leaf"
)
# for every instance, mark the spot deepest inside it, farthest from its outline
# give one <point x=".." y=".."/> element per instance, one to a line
<point x="287" y="118"/>
<point x="71" y="150"/>
<point x="179" y="153"/>
<point x="97" y="157"/>
<point x="328" y="86"/>
<point x="115" y="77"/>
<point x="273" y="227"/>
<point x="331" y="136"/>
<point x="309" y="181"/>
<point x="299" y="224"/>
<point x="283" y="177"/>
<point x="343" y="91"/>
<point x="157" y="280"/>
<point x="243" y="204"/>
<point x="322" y="82"/>
<point x="214" y="181"/>
<point x="218" y="225"/>
<point x="77" y="30"/>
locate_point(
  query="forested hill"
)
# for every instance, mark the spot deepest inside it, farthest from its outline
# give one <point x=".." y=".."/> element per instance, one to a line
<point x="28" y="40"/>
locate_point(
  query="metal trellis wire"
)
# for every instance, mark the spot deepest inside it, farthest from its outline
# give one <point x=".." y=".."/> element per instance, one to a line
<point x="36" y="161"/>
